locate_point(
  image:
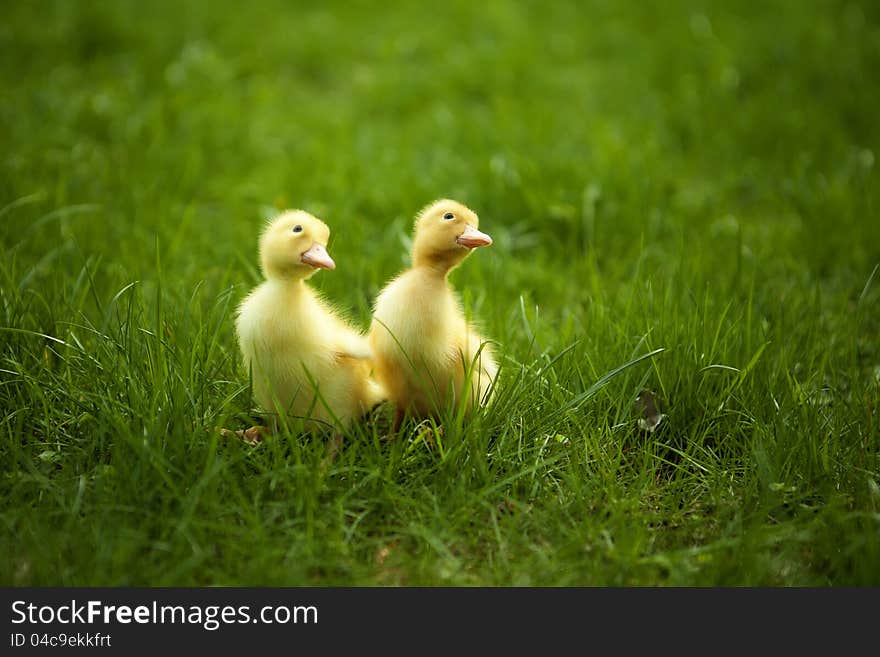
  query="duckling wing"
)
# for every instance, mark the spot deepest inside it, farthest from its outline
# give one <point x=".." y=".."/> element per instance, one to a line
<point x="481" y="351"/>
<point x="355" y="347"/>
<point x="348" y="343"/>
<point x="338" y="335"/>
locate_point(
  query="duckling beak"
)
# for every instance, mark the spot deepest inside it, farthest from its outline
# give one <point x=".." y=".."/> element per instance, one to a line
<point x="317" y="256"/>
<point x="471" y="238"/>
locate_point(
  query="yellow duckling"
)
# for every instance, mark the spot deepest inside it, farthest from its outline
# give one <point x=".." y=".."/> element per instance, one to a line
<point x="426" y="353"/>
<point x="305" y="360"/>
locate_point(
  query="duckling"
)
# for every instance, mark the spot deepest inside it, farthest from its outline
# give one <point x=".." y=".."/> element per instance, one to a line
<point x="305" y="359"/>
<point x="426" y="354"/>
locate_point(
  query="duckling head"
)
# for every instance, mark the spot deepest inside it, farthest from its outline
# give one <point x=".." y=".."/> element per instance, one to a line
<point x="294" y="246"/>
<point x="445" y="234"/>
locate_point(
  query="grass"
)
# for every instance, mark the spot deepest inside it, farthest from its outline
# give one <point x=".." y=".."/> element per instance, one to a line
<point x="683" y="198"/>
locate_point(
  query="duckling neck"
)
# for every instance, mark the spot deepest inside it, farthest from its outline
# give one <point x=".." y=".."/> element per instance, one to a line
<point x="433" y="267"/>
<point x="288" y="286"/>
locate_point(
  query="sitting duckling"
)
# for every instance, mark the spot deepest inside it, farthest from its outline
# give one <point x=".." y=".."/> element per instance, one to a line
<point x="306" y="361"/>
<point x="426" y="353"/>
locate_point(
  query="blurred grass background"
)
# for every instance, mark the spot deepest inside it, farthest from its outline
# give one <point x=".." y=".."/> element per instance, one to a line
<point x="693" y="176"/>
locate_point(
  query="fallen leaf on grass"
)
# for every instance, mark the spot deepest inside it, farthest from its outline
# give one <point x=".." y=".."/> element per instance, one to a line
<point x="251" y="436"/>
<point x="384" y="552"/>
<point x="651" y="417"/>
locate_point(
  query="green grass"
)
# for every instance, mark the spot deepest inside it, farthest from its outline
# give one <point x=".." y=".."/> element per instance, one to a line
<point x="696" y="178"/>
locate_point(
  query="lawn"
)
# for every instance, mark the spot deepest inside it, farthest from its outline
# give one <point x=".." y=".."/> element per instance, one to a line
<point x="683" y="198"/>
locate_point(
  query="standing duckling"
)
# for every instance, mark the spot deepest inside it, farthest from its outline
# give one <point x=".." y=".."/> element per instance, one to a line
<point x="426" y="353"/>
<point x="305" y="360"/>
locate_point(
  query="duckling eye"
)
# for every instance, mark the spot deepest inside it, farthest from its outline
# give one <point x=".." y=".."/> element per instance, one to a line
<point x="449" y="215"/>
<point x="297" y="229"/>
